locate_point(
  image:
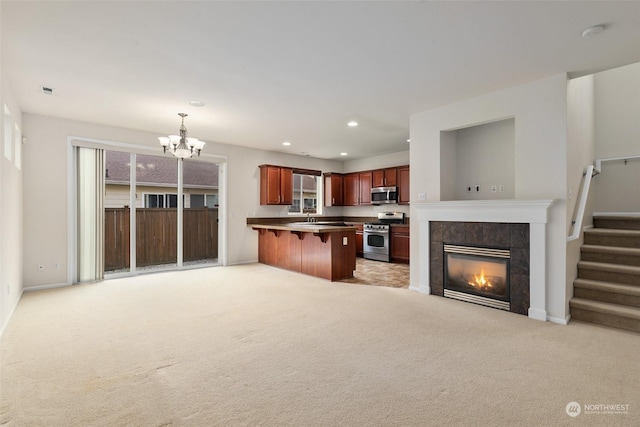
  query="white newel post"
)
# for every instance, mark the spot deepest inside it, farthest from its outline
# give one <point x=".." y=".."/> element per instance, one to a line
<point x="532" y="212"/>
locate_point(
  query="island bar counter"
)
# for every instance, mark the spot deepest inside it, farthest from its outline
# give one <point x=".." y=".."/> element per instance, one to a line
<point x="324" y="251"/>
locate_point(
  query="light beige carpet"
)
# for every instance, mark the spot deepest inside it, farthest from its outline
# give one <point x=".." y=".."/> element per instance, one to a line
<point x="257" y="346"/>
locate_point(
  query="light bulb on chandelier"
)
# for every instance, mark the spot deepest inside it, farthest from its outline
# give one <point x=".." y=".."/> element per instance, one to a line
<point x="180" y="145"/>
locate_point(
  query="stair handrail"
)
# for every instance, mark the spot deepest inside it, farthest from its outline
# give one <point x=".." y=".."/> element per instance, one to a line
<point x="598" y="163"/>
<point x="581" y="205"/>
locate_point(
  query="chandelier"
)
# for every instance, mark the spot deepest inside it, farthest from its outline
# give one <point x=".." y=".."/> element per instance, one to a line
<point x="180" y="145"/>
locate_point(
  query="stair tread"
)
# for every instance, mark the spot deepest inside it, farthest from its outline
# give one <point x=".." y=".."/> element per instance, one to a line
<point x="604" y="266"/>
<point x="632" y="216"/>
<point x="599" y="285"/>
<point x="618" y="250"/>
<point x="613" y="232"/>
<point x="605" y="307"/>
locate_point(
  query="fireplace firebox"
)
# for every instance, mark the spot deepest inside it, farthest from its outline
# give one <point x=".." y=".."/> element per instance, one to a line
<point x="478" y="275"/>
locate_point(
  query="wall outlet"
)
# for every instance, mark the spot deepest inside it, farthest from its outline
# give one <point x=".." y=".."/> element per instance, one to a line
<point x="41" y="267"/>
<point x="56" y="266"/>
<point x="477" y="188"/>
<point x="468" y="189"/>
<point x="422" y="196"/>
<point x="502" y="188"/>
<point x="494" y="188"/>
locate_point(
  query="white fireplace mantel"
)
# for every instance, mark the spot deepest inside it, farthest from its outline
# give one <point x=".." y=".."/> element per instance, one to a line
<point x="532" y="212"/>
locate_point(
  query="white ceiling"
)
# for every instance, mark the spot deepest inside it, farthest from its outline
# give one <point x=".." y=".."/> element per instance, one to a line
<point x="273" y="71"/>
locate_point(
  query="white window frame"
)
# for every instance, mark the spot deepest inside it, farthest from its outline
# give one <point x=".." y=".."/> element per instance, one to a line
<point x="319" y="196"/>
<point x="78" y="141"/>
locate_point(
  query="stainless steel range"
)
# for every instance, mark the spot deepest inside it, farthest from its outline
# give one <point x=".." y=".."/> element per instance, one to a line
<point x="376" y="241"/>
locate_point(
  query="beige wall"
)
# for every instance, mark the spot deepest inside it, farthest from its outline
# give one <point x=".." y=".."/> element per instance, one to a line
<point x="11" y="211"/>
<point x="484" y="158"/>
<point x="47" y="150"/>
<point x="580" y="147"/>
<point x="617" y="134"/>
<point x="540" y="163"/>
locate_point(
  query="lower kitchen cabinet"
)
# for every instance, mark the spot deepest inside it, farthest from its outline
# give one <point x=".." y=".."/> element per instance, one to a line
<point x="400" y="243"/>
<point x="359" y="240"/>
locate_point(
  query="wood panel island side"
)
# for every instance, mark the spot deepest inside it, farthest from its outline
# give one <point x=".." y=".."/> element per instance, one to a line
<point x="324" y="251"/>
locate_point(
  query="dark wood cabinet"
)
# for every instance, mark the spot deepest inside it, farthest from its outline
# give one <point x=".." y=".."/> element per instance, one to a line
<point x="351" y="189"/>
<point x="333" y="189"/>
<point x="357" y="188"/>
<point x="385" y="177"/>
<point x="400" y="243"/>
<point x="329" y="255"/>
<point x="404" y="194"/>
<point x="276" y="185"/>
<point x="365" y="179"/>
<point x="359" y="240"/>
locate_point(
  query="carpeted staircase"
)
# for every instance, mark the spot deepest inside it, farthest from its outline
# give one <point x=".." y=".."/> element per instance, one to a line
<point x="607" y="290"/>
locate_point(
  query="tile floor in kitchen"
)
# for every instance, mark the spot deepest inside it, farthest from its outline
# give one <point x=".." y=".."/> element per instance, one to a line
<point x="377" y="273"/>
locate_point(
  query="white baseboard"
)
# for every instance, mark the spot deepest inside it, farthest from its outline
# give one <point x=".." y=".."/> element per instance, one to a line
<point x="559" y="320"/>
<point x="6" y="323"/>
<point x="255" y="261"/>
<point x="42" y="287"/>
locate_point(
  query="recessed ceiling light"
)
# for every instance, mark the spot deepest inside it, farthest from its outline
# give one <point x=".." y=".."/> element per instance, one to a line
<point x="344" y="154"/>
<point x="287" y="143"/>
<point x="592" y="31"/>
<point x="196" y="103"/>
<point x="352" y="124"/>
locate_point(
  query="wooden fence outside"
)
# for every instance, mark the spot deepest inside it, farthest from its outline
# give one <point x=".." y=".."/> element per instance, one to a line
<point x="156" y="236"/>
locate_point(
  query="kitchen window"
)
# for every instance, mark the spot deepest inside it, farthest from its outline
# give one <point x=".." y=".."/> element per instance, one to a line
<point x="306" y="189"/>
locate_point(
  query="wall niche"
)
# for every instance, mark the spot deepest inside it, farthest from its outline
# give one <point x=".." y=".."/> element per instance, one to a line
<point x="478" y="162"/>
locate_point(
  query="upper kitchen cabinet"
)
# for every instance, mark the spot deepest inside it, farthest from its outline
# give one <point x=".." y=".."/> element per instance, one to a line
<point x="333" y="189"/>
<point x="276" y="185"/>
<point x="403" y="185"/>
<point x="385" y="177"/>
<point x="357" y="188"/>
<point x="351" y="189"/>
<point x="365" y="187"/>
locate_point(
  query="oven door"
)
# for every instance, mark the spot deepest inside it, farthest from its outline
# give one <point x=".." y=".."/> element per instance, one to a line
<point x="376" y="245"/>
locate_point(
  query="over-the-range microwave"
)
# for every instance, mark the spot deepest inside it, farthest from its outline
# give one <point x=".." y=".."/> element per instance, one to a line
<point x="384" y="195"/>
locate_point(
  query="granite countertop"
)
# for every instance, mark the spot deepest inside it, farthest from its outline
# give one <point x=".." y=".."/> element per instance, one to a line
<point x="305" y="227"/>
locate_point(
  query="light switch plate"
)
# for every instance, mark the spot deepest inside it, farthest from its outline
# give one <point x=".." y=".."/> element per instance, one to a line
<point x="345" y="241"/>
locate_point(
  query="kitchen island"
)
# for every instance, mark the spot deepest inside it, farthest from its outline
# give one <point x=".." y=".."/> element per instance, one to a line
<point x="327" y="251"/>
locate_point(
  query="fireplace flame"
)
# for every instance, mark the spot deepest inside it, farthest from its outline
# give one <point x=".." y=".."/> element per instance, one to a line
<point x="480" y="282"/>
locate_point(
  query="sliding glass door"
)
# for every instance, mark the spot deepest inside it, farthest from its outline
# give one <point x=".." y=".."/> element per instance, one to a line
<point x="200" y="213"/>
<point x="117" y="212"/>
<point x="159" y="212"/>
<point x="156" y="193"/>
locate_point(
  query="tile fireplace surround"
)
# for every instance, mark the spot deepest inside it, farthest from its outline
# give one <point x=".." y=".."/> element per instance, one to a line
<point x="531" y="212"/>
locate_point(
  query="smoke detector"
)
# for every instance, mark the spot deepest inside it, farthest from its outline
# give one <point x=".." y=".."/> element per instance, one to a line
<point x="591" y="32"/>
